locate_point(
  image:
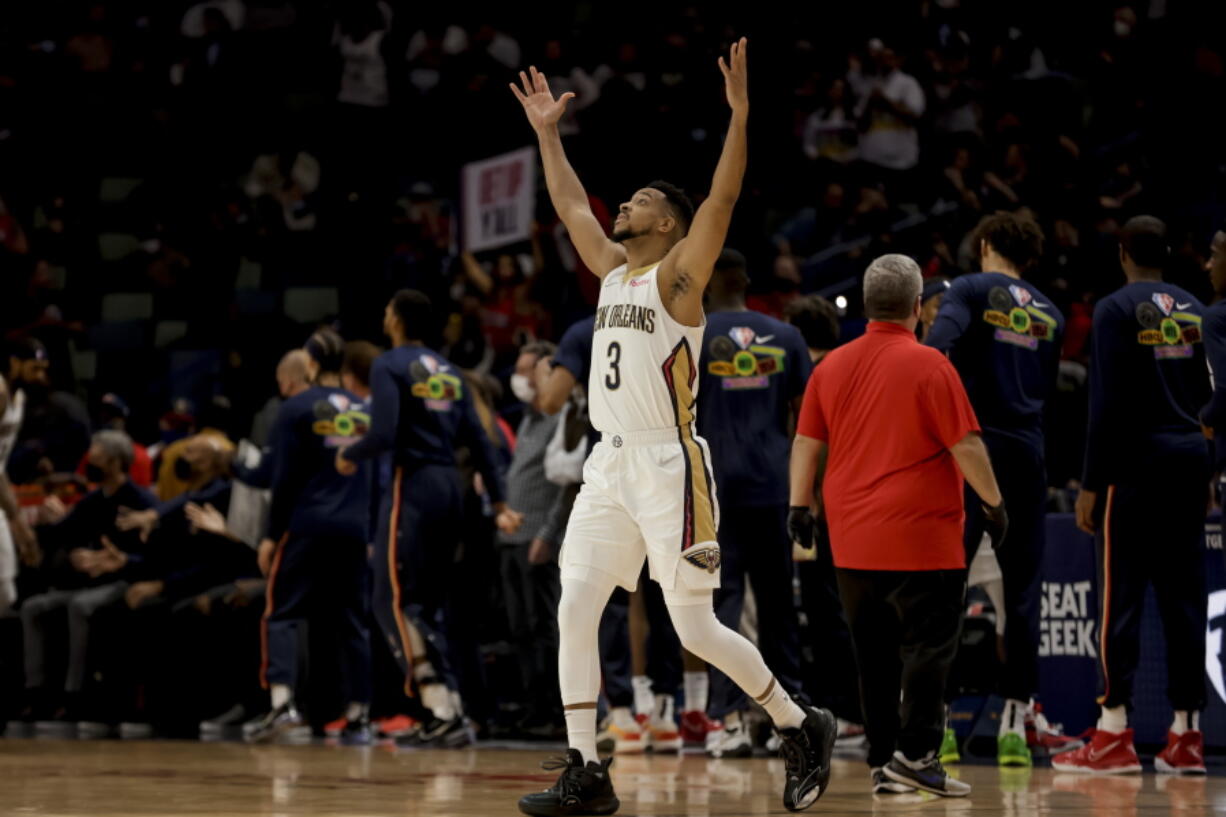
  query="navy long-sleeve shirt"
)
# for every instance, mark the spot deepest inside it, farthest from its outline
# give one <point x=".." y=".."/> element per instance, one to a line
<point x="421" y="411"/>
<point x="753" y="368"/>
<point x="309" y="496"/>
<point x="1213" y="415"/>
<point x="1148" y="382"/>
<point x="1003" y="336"/>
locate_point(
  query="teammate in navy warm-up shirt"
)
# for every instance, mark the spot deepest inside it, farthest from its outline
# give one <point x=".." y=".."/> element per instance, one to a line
<point x="753" y="373"/>
<point x="1213" y="415"/>
<point x="1144" y="492"/>
<point x="1003" y="336"/>
<point x="317" y="530"/>
<point x="421" y="412"/>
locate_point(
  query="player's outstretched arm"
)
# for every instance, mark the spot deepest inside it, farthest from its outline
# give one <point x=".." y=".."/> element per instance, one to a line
<point x="688" y="267"/>
<point x="599" y="254"/>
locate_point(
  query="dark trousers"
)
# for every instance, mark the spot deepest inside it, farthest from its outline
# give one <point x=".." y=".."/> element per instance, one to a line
<point x="754" y="546"/>
<point x="531" y="593"/>
<point x="414" y="564"/>
<point x="830" y="677"/>
<point x="664" y="665"/>
<point x="1023" y="485"/>
<point x="318" y="576"/>
<point x="1151" y="534"/>
<point x="905" y="627"/>
<point x="616" y="667"/>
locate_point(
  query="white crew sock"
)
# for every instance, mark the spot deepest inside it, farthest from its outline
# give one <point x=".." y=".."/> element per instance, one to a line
<point x="1013" y="718"/>
<point x="1185" y="721"/>
<point x="437" y="698"/>
<point x="581" y="732"/>
<point x="1114" y="719"/>
<point x="357" y="711"/>
<point x="644" y="700"/>
<point x="696" y="686"/>
<point x="281" y="695"/>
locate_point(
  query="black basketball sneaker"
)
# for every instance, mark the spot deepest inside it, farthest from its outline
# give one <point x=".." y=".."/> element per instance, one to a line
<point x="580" y="789"/>
<point x="806" y="752"/>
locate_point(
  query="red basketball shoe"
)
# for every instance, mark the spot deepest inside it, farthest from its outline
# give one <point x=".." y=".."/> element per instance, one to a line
<point x="1106" y="753"/>
<point x="1184" y="754"/>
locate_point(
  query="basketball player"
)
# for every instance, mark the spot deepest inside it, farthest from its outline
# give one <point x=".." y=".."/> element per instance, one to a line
<point x="647" y="485"/>
<point x="1003" y="336"/>
<point x="420" y="413"/>
<point x="754" y="371"/>
<point x="316" y="544"/>
<point x="1148" y="381"/>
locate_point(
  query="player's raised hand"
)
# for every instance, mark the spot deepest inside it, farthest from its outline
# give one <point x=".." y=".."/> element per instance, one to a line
<point x="539" y="104"/>
<point x="736" y="77"/>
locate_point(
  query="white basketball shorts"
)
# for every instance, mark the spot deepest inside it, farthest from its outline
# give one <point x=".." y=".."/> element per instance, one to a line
<point x="647" y="494"/>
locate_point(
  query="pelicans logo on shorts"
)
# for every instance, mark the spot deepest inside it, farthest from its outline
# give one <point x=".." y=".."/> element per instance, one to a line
<point x="707" y="558"/>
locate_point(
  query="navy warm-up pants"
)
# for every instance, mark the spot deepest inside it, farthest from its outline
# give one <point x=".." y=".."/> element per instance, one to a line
<point x="317" y="576"/>
<point x="1022" y="478"/>
<point x="1151" y="534"/>
<point x="754" y="546"/>
<point x="414" y="563"/>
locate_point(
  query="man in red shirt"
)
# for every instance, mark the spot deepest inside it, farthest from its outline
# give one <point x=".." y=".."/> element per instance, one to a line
<point x="886" y="436"/>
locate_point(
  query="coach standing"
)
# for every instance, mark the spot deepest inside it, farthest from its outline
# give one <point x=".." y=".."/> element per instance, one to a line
<point x="887" y="434"/>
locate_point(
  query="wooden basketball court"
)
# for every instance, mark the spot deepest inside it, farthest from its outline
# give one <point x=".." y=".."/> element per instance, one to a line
<point x="69" y="778"/>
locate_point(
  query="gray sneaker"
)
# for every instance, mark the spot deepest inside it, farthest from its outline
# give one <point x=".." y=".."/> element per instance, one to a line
<point x="926" y="775"/>
<point x="884" y="785"/>
<point x="279" y="722"/>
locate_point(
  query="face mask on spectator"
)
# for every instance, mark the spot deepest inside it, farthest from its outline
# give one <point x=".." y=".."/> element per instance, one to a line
<point x="94" y="473"/>
<point x="522" y="388"/>
<point x="184" y="470"/>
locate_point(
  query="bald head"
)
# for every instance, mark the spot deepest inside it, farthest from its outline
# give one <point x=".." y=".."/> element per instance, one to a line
<point x="892" y="286"/>
<point x="293" y="373"/>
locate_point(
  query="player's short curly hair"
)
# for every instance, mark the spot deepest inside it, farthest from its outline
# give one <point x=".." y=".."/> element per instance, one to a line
<point x="1015" y="237"/>
<point x="679" y="200"/>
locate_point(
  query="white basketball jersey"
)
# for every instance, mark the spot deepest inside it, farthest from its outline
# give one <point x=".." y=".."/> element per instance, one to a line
<point x="644" y="372"/>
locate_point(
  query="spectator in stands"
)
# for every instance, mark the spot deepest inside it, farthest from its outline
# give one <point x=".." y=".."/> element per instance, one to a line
<point x="17" y="538"/>
<point x="113" y="414"/>
<point x="528" y="556"/>
<point x="204" y="469"/>
<point x="87" y="556"/>
<point x="175" y="476"/>
<point x="890" y="105"/>
<point x="830" y="132"/>
<point x="55" y="429"/>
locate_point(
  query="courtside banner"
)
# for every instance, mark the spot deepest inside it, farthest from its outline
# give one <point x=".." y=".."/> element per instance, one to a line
<point x="499" y="196"/>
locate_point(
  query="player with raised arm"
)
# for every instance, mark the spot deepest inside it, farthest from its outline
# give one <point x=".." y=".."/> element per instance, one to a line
<point x="647" y="491"/>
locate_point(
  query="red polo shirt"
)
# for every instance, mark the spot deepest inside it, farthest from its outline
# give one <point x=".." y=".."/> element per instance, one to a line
<point x="890" y="409"/>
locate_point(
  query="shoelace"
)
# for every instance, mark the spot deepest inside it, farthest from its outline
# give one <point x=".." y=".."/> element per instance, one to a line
<point x="568" y="782"/>
<point x="793" y="755"/>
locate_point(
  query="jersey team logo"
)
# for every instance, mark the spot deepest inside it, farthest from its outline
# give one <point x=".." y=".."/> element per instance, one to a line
<point x="1165" y="302"/>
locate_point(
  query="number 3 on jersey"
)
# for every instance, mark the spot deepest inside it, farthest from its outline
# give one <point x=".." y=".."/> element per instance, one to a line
<point x="613" y="381"/>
